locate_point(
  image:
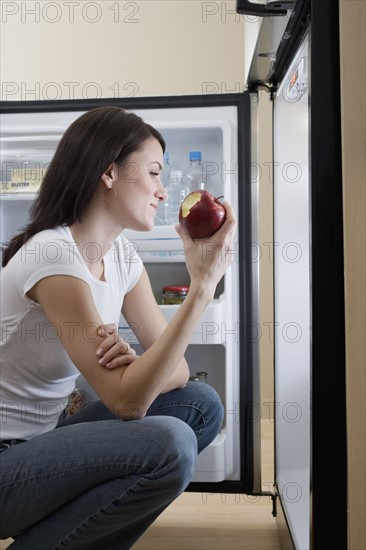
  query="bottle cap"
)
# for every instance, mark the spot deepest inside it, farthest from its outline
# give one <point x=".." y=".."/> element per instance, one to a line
<point x="195" y="155"/>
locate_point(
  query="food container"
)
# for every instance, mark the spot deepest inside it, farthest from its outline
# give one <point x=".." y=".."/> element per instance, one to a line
<point x="173" y="295"/>
<point x="202" y="376"/>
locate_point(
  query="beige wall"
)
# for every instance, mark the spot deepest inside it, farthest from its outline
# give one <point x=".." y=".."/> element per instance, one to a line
<point x="67" y="50"/>
<point x="353" y="83"/>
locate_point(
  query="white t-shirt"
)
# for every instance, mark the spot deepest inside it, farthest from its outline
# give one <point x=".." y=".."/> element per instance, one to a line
<point x="37" y="375"/>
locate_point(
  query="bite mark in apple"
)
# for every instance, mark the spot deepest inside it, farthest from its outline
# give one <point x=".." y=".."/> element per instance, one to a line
<point x="201" y="214"/>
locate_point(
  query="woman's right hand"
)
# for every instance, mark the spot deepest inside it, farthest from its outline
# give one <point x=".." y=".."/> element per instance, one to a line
<point x="208" y="259"/>
<point x="113" y="351"/>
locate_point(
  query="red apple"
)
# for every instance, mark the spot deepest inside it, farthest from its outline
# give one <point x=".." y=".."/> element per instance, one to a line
<point x="201" y="214"/>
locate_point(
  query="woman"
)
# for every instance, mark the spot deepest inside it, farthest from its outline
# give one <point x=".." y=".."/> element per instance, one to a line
<point x="99" y="478"/>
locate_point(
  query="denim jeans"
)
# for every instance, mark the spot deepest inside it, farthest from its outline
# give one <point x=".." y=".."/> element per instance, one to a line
<point x="98" y="482"/>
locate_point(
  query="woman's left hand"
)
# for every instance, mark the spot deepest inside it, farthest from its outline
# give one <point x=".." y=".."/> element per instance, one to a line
<point x="113" y="351"/>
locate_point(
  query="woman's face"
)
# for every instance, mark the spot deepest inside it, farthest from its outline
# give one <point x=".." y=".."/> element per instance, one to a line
<point x="138" y="187"/>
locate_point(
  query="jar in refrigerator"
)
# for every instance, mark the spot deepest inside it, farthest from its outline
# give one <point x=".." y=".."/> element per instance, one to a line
<point x="202" y="376"/>
<point x="173" y="295"/>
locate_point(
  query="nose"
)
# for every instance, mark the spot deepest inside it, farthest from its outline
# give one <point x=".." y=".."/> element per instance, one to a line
<point x="160" y="192"/>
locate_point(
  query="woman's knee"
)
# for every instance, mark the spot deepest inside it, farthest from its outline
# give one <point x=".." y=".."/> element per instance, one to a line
<point x="209" y="402"/>
<point x="210" y="405"/>
<point x="216" y="406"/>
<point x="211" y="397"/>
<point x="176" y="447"/>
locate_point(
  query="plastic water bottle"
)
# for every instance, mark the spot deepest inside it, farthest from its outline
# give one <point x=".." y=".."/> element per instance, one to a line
<point x="164" y="178"/>
<point x="176" y="193"/>
<point x="193" y="177"/>
<point x="165" y="175"/>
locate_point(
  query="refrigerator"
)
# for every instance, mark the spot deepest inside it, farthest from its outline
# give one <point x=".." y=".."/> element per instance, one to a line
<point x="296" y="62"/>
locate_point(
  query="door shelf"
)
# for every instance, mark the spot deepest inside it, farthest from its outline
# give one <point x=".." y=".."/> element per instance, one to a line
<point x="211" y="463"/>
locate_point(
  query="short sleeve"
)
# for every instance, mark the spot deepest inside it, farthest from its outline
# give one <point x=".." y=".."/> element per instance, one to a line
<point x="40" y="258"/>
<point x="129" y="260"/>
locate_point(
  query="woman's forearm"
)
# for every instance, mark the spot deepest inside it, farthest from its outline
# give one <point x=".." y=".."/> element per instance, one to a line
<point x="149" y="375"/>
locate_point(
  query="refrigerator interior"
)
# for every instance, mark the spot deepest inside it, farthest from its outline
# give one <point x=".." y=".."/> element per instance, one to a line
<point x="292" y="288"/>
<point x="27" y="144"/>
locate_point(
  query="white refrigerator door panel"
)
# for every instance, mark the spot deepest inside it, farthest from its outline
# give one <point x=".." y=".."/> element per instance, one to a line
<point x="292" y="298"/>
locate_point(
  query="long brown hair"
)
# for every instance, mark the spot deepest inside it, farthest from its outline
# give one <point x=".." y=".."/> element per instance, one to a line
<point x="89" y="146"/>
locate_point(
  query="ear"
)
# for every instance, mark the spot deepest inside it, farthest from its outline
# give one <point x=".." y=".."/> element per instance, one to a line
<point x="109" y="176"/>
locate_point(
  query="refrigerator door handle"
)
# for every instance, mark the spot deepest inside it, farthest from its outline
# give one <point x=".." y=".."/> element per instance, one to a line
<point x="271" y="8"/>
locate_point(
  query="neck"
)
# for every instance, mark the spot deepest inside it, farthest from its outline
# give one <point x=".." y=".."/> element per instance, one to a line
<point x="93" y="238"/>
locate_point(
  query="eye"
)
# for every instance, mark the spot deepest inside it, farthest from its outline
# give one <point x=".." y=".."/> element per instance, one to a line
<point x="155" y="174"/>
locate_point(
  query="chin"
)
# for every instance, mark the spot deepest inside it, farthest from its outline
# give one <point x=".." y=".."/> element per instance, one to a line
<point x="143" y="226"/>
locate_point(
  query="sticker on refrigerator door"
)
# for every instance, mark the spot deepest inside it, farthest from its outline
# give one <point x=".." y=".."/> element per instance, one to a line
<point x="298" y="84"/>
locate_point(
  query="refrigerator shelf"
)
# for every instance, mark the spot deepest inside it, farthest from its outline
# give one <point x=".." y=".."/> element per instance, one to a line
<point x="17" y="196"/>
<point x="166" y="256"/>
<point x="161" y="244"/>
<point x="209" y="330"/>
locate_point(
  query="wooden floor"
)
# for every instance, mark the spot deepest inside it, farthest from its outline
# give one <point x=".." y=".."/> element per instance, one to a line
<point x="229" y="524"/>
<point x="198" y="521"/>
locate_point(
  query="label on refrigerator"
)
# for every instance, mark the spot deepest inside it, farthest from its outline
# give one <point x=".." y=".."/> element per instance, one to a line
<point x="26" y="180"/>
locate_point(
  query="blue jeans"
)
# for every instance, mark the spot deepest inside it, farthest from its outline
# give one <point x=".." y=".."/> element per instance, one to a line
<point x="97" y="481"/>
